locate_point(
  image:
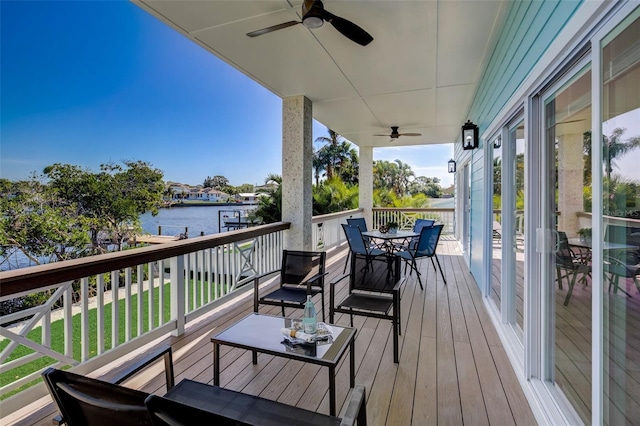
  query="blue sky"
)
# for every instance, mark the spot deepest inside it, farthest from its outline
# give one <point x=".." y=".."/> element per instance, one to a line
<point x="92" y="82"/>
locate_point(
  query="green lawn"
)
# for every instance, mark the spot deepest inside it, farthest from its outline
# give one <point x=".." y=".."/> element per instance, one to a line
<point x="57" y="333"/>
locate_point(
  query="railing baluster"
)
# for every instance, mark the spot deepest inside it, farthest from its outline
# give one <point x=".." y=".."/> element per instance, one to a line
<point x="84" y="318"/>
<point x="115" y="309"/>
<point x="161" y="302"/>
<point x="178" y="294"/>
<point x="100" y="312"/>
<point x="140" y="309"/>
<point x="127" y="305"/>
<point x="68" y="321"/>
<point x="151" y="295"/>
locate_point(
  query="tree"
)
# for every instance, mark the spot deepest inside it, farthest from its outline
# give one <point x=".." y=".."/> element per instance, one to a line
<point x="39" y="225"/>
<point x="336" y="157"/>
<point x="612" y="147"/>
<point x="111" y="200"/>
<point x="333" y="196"/>
<point x="427" y="186"/>
<point x="218" y="182"/>
<point x="270" y="204"/>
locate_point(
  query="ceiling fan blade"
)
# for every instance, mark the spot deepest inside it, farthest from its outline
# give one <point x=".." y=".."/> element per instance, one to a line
<point x="382" y="135"/>
<point x="348" y="29"/>
<point x="410" y="134"/>
<point x="256" y="33"/>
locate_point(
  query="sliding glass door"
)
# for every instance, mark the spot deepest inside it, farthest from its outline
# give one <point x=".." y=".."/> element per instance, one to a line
<point x="567" y="279"/>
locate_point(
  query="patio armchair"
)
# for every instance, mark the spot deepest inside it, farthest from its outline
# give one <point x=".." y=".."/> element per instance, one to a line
<point x="569" y="265"/>
<point x="426" y="247"/>
<point x="87" y="401"/>
<point x="204" y="404"/>
<point x="302" y="273"/>
<point x="372" y="292"/>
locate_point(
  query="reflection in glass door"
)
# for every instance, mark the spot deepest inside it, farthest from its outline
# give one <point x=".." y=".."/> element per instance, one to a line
<point x="620" y="88"/>
<point x="567" y="118"/>
<point x="508" y="255"/>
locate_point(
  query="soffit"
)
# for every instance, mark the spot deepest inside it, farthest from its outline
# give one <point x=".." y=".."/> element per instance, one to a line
<point x="420" y="72"/>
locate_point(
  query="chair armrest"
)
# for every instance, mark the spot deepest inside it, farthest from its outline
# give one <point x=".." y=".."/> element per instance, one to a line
<point x="163" y="351"/>
<point x="332" y="283"/>
<point x="357" y="408"/>
<point x="316" y="277"/>
<point x="259" y="277"/>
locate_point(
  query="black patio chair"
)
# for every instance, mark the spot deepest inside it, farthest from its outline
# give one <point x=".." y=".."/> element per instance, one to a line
<point x="617" y="268"/>
<point x="373" y="292"/>
<point x="86" y="401"/>
<point x="426" y="247"/>
<point x="302" y="273"/>
<point x="569" y="265"/>
<point x="203" y="404"/>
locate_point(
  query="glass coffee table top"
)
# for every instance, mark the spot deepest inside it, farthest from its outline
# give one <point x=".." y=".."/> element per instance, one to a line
<point x="263" y="333"/>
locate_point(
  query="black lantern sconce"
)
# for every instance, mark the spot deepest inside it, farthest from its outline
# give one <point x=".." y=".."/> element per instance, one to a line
<point x="469" y="135"/>
<point x="497" y="143"/>
<point x="452" y="166"/>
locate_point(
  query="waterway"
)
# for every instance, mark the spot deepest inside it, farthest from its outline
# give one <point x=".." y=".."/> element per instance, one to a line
<point x="197" y="220"/>
<point x="200" y="220"/>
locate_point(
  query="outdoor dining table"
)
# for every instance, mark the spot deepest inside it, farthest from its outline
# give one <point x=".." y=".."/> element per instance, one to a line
<point x="390" y="241"/>
<point x="606" y="245"/>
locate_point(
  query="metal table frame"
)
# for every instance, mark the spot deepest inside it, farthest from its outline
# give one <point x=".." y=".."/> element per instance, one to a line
<point x="261" y="333"/>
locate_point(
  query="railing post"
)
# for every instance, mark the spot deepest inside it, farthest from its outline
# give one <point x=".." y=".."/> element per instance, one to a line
<point x="178" y="294"/>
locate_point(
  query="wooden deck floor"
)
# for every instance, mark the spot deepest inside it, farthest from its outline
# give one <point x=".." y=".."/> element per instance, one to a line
<point x="453" y="369"/>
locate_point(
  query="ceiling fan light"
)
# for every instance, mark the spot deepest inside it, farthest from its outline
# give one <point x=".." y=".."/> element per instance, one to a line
<point x="312" y="21"/>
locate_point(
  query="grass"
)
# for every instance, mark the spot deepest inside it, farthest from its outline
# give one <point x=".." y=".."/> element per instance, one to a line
<point x="57" y="333"/>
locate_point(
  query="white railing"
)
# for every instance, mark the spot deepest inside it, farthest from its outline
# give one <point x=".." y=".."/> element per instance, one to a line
<point x="327" y="232"/>
<point x="160" y="289"/>
<point x="405" y="218"/>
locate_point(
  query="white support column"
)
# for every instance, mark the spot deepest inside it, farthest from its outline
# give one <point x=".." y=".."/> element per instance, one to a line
<point x="297" y="153"/>
<point x="365" y="182"/>
<point x="570" y="182"/>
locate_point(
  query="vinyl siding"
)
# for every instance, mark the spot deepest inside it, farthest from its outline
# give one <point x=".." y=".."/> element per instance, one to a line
<point x="528" y="30"/>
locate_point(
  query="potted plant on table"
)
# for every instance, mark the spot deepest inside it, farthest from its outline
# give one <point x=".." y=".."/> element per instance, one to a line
<point x="585" y="235"/>
<point x="392" y="227"/>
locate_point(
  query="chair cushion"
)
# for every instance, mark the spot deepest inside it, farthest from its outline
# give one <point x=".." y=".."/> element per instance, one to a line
<point x="290" y="294"/>
<point x="368" y="302"/>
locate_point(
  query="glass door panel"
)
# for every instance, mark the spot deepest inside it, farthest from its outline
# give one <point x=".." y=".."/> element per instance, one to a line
<point x="496" y="250"/>
<point x="516" y="139"/>
<point x="567" y="118"/>
<point x="621" y="202"/>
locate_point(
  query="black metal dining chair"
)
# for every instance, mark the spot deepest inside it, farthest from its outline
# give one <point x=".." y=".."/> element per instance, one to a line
<point x="426" y="247"/>
<point x="373" y="292"/>
<point x="569" y="266"/>
<point x="302" y="274"/>
<point x="358" y="244"/>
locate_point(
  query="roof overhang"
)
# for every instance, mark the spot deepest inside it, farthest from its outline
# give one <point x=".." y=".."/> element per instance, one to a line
<point x="420" y="72"/>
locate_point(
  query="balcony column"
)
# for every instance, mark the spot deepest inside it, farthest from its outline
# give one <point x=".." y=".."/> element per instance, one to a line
<point x="297" y="154"/>
<point x="365" y="182"/>
<point x="570" y="182"/>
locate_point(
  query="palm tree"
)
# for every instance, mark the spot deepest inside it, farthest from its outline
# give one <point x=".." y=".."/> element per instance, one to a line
<point x="331" y="153"/>
<point x="270" y="207"/>
<point x="612" y="146"/>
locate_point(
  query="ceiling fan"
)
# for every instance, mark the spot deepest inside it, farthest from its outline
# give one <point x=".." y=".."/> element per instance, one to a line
<point x="314" y="15"/>
<point x="395" y="135"/>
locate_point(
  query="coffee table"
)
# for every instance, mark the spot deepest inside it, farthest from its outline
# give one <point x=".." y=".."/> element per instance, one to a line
<point x="261" y="333"/>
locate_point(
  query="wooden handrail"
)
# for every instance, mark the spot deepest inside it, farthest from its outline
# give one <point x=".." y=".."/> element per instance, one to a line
<point x="36" y="277"/>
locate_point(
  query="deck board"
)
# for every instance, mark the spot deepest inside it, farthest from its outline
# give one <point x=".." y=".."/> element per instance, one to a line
<point x="452" y="368"/>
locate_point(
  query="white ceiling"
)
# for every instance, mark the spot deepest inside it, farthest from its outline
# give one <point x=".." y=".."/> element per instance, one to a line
<point x="420" y="72"/>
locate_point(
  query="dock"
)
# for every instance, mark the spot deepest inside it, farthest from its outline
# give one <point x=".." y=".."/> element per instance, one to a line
<point x="154" y="239"/>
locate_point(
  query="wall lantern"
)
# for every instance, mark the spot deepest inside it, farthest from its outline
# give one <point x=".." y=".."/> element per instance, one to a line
<point x="469" y="135"/>
<point x="452" y="166"/>
<point x="497" y="143"/>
